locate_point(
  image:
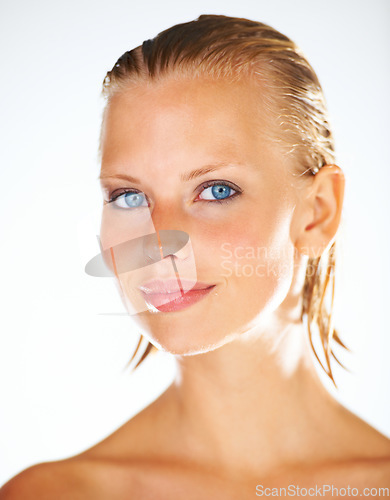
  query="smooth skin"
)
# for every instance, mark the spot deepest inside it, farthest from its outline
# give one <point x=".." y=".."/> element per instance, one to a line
<point x="247" y="406"/>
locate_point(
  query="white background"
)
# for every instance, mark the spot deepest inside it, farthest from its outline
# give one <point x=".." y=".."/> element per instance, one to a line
<point x="63" y="387"/>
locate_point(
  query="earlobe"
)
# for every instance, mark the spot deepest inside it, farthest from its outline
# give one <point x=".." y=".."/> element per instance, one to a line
<point x="321" y="213"/>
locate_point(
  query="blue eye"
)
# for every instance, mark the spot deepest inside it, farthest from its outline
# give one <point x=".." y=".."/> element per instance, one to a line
<point x="212" y="192"/>
<point x="217" y="191"/>
<point x="130" y="199"/>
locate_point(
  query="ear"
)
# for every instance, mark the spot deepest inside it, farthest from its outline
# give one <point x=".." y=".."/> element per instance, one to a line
<point x="319" y="212"/>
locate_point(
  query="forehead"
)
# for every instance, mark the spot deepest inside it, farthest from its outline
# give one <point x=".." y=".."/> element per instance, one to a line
<point x="169" y="119"/>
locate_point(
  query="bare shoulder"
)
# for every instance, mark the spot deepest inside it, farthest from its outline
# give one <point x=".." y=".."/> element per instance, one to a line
<point x="109" y="469"/>
<point x="62" y="479"/>
<point x="357" y="454"/>
<point x="358" y="440"/>
<point x="370" y="460"/>
<point x="106" y="470"/>
<point x="374" y="470"/>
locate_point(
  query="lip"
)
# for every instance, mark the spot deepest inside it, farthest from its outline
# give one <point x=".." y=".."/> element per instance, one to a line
<point x="172" y="285"/>
<point x="169" y="296"/>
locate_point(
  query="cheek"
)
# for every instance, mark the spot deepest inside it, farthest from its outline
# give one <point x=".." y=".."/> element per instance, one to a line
<point x="255" y="256"/>
<point x="261" y="236"/>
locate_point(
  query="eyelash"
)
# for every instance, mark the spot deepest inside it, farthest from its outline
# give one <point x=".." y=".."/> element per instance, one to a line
<point x="204" y="186"/>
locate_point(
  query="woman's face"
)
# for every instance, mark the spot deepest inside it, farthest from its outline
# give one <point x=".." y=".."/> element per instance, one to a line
<point x="240" y="230"/>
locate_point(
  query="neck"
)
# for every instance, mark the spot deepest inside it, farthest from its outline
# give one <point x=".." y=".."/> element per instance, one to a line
<point x="255" y="402"/>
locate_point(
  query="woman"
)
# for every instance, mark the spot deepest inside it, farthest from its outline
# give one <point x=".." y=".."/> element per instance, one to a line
<point x="222" y="202"/>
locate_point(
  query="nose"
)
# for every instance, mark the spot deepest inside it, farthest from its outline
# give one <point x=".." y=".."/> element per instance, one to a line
<point x="169" y="238"/>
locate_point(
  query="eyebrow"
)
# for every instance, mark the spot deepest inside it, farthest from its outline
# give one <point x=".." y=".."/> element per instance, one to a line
<point x="183" y="177"/>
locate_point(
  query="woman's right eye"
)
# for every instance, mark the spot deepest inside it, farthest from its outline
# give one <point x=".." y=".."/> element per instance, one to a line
<point x="129" y="199"/>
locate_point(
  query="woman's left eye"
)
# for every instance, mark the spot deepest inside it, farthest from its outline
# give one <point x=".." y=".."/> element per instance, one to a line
<point x="218" y="191"/>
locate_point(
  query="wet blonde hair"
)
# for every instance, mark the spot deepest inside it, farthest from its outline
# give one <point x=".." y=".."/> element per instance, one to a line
<point x="231" y="48"/>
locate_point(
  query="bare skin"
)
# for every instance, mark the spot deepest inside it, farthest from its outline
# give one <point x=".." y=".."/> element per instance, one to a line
<point x="247" y="407"/>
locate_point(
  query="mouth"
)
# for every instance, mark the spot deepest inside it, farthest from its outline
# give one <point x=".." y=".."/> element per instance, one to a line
<point x="174" y="295"/>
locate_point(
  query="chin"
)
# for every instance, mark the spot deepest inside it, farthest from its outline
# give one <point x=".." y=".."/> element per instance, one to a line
<point x="180" y="337"/>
